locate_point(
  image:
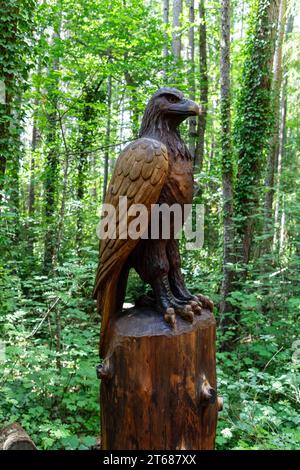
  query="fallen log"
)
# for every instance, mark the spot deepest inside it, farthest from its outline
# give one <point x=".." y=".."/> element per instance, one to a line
<point x="14" y="437"/>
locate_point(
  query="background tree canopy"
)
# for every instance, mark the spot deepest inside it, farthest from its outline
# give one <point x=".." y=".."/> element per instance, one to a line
<point x="74" y="79"/>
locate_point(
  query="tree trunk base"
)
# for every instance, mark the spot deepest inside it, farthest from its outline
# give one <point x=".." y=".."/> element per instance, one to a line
<point x="158" y="388"/>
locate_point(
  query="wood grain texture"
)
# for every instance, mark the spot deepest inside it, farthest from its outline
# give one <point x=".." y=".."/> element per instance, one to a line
<point x="14" y="437"/>
<point x="158" y="388"/>
<point x="139" y="174"/>
<point x="156" y="169"/>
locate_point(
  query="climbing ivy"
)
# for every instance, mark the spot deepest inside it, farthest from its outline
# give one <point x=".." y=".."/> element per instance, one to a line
<point x="252" y="124"/>
<point x="16" y="43"/>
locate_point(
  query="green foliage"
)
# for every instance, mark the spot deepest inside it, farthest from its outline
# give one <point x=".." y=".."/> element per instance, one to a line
<point x="261" y="411"/>
<point x="51" y="388"/>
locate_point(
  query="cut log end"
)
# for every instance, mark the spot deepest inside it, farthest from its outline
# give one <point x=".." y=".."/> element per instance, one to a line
<point x="13" y="437"/>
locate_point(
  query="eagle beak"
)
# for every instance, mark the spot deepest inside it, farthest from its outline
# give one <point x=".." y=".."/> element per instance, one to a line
<point x="193" y="108"/>
<point x="185" y="108"/>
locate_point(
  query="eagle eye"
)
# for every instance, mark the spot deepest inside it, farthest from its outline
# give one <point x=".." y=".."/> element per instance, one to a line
<point x="172" y="98"/>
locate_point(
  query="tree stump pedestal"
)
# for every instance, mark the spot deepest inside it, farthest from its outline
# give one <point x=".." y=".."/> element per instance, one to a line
<point x="158" y="384"/>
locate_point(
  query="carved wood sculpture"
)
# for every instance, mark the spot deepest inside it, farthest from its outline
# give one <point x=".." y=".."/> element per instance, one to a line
<point x="157" y="168"/>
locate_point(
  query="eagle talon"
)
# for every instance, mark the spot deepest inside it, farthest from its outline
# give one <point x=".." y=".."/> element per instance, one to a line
<point x="198" y="310"/>
<point x="170" y="317"/>
<point x="196" y="306"/>
<point x="186" y="313"/>
<point x="206" y="302"/>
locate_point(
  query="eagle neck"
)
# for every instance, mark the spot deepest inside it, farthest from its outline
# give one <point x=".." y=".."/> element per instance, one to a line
<point x="168" y="134"/>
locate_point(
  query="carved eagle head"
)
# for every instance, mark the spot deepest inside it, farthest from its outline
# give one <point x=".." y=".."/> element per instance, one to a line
<point x="167" y="106"/>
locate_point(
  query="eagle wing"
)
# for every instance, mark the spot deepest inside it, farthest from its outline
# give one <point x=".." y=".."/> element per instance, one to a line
<point x="139" y="174"/>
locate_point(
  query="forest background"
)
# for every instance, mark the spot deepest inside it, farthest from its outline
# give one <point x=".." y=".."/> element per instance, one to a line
<point x="75" y="77"/>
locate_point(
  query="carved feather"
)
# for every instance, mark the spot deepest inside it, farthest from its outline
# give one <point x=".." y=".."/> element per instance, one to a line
<point x="139" y="174"/>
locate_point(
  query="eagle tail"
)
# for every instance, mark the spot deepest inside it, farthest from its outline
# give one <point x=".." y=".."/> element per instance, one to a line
<point x="110" y="299"/>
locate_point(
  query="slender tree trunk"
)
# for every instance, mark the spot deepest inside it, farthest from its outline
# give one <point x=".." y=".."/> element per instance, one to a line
<point x="122" y="118"/>
<point x="58" y="345"/>
<point x="4" y="129"/>
<point x="94" y="191"/>
<point x="282" y="227"/>
<point x="281" y="146"/>
<point x="50" y="185"/>
<point x="199" y="151"/>
<point x="281" y="151"/>
<point x="166" y="22"/>
<point x="132" y="86"/>
<point x="81" y="174"/>
<point x="31" y="189"/>
<point x="61" y="216"/>
<point x="274" y="144"/>
<point x="212" y="148"/>
<point x="176" y="35"/>
<point x="90" y="95"/>
<point x="192" y="87"/>
<point x="52" y="162"/>
<point x="107" y="138"/>
<point x="227" y="166"/>
<point x="35" y="140"/>
<point x="34" y="143"/>
<point x="13" y="165"/>
<point x="242" y="19"/>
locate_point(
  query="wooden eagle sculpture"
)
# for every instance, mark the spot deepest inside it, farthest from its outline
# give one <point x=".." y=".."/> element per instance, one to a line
<point x="156" y="168"/>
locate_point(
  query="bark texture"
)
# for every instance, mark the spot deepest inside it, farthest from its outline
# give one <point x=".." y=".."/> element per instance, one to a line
<point x="166" y="22"/>
<point x="107" y="137"/>
<point x="13" y="437"/>
<point x="274" y="143"/>
<point x="176" y="36"/>
<point x="52" y="160"/>
<point x="281" y="146"/>
<point x="227" y="167"/>
<point x="199" y="151"/>
<point x="192" y="87"/>
<point x="158" y="388"/>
